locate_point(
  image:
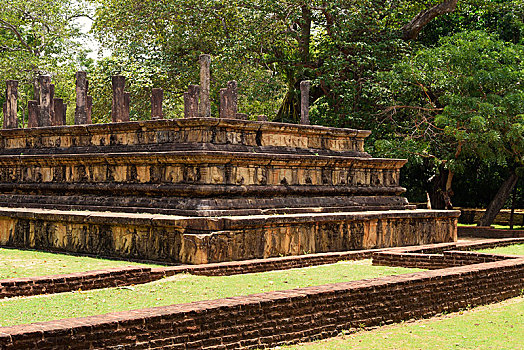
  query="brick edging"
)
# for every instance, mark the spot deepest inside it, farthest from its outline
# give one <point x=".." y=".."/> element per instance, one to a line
<point x="122" y="276"/>
<point x="136" y="275"/>
<point x="274" y="318"/>
<point x="488" y="232"/>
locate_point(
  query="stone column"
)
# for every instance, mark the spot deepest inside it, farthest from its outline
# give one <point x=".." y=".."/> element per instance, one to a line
<point x="4" y="110"/>
<point x="304" y="102"/>
<point x="52" y="105"/>
<point x="81" y="98"/>
<point x="59" y="112"/>
<point x="11" y="105"/>
<point x="157" y="96"/>
<point x="118" y="111"/>
<point x="229" y="100"/>
<point x="64" y="122"/>
<point x="89" y="110"/>
<point x="205" y="78"/>
<point x="191" y="101"/>
<point x="127" y="101"/>
<point x="32" y="114"/>
<point x="44" y="118"/>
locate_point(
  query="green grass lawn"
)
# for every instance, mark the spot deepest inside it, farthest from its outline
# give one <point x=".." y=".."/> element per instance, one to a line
<point x="27" y="263"/>
<point x="501" y="227"/>
<point x="515" y="249"/>
<point x="182" y="289"/>
<point x="496" y="326"/>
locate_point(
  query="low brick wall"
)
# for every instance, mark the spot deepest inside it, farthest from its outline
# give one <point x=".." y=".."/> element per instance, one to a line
<point x="270" y="319"/>
<point x="472" y="216"/>
<point x="415" y="256"/>
<point x="436" y="261"/>
<point x="15" y="287"/>
<point x="488" y="232"/>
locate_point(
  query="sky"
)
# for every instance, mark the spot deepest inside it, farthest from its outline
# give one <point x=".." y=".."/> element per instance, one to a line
<point x="90" y="42"/>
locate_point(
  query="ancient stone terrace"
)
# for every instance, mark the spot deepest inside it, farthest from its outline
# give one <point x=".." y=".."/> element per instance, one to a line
<point x="219" y="181"/>
<point x="201" y="166"/>
<point x="198" y="189"/>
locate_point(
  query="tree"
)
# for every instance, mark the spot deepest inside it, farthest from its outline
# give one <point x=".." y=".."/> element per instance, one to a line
<point x="39" y="36"/>
<point x="339" y="45"/>
<point x="463" y="98"/>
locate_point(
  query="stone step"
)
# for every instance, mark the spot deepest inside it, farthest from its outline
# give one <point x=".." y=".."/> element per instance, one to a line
<point x="205" y="206"/>
<point x="183" y="131"/>
<point x="202" y="240"/>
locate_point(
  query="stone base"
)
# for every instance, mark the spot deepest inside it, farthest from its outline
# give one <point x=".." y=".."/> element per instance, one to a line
<point x="214" y="239"/>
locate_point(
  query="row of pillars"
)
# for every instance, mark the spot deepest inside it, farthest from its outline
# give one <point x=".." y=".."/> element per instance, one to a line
<point x="46" y="110"/>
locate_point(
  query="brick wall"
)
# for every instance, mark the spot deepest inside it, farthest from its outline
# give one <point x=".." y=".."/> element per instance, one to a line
<point x="269" y="319"/>
<point x="435" y="261"/>
<point x="487" y="232"/>
<point x="114" y="277"/>
<point x="472" y="216"/>
<point x="428" y="256"/>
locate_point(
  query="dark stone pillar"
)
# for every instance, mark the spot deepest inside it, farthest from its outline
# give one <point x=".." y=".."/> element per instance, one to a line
<point x="59" y="112"/>
<point x="11" y="105"/>
<point x="229" y="101"/>
<point x="157" y="96"/>
<point x="89" y="110"/>
<point x="119" y="112"/>
<point x="32" y="114"/>
<point x="52" y="105"/>
<point x="81" y="98"/>
<point x="44" y="117"/>
<point x="191" y="101"/>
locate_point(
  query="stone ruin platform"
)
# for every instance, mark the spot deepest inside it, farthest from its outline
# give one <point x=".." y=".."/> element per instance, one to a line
<point x="203" y="190"/>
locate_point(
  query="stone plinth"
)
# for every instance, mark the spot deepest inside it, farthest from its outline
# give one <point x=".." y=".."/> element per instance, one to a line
<point x="204" y="240"/>
<point x="227" y="190"/>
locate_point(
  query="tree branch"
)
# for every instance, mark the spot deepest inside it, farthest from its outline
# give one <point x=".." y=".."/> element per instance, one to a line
<point x="412" y="29"/>
<point x="10" y="27"/>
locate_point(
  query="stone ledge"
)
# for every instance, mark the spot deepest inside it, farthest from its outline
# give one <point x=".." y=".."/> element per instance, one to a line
<point x="217" y="223"/>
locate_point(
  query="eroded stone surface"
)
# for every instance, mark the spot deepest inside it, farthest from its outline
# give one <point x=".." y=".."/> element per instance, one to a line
<point x="239" y="189"/>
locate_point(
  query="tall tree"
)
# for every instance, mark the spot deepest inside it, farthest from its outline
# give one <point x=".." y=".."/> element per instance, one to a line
<point x="460" y="99"/>
<point x="39" y="36"/>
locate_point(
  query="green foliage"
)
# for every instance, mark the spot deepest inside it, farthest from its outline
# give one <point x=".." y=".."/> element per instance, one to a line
<point x="40" y="37"/>
<point x="460" y="99"/>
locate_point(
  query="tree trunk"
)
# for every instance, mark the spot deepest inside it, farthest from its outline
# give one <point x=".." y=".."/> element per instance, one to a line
<point x="440" y="191"/>
<point x="498" y="201"/>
